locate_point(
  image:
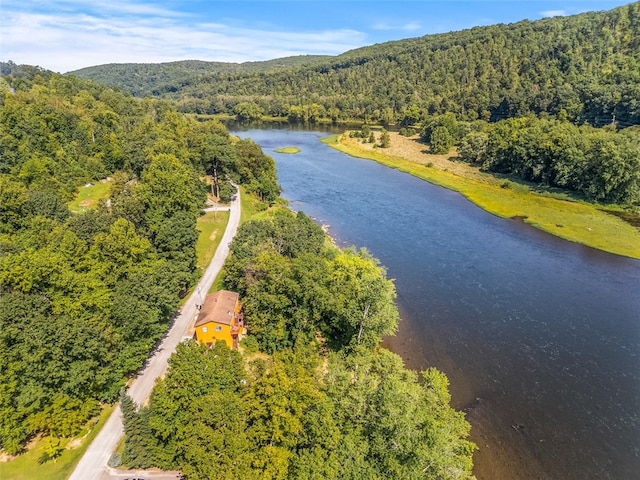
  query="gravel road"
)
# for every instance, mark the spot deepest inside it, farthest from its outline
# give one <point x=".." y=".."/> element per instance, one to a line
<point x="93" y="465"/>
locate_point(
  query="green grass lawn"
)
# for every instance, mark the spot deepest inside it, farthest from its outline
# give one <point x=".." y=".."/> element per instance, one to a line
<point x="575" y="221"/>
<point x="211" y="226"/>
<point x="88" y="197"/>
<point x="27" y="466"/>
<point x="289" y="150"/>
<point x="252" y="208"/>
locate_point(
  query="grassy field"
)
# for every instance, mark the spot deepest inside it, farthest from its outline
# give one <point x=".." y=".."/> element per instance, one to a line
<point x="252" y="208"/>
<point x="570" y="219"/>
<point x="88" y="197"/>
<point x="28" y="465"/>
<point x="211" y="226"/>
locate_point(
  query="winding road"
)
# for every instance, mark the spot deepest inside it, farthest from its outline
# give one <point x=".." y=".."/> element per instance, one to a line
<point x="93" y="465"/>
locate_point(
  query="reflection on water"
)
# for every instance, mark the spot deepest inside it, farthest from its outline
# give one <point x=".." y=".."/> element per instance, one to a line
<point x="540" y="337"/>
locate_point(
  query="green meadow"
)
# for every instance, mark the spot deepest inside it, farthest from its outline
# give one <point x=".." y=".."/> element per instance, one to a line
<point x="35" y="462"/>
<point x="89" y="196"/>
<point x="211" y="227"/>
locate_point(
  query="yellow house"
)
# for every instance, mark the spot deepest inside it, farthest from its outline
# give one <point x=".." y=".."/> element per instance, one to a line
<point x="220" y="319"/>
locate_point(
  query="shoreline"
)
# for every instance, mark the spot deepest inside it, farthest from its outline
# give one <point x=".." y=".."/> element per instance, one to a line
<point x="571" y="220"/>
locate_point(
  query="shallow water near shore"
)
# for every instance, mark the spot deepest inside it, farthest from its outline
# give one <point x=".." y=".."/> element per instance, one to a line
<point x="540" y="337"/>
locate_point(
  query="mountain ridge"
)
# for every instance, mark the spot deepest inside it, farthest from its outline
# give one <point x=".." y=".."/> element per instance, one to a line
<point x="583" y="67"/>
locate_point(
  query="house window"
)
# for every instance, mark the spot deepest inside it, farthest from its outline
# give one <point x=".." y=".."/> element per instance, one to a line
<point x="204" y="329"/>
<point x="218" y="328"/>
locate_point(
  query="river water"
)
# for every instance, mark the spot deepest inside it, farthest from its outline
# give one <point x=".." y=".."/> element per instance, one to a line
<point x="540" y="337"/>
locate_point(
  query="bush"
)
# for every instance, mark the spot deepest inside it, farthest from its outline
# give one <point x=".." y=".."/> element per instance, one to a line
<point x="441" y="140"/>
<point x="250" y="344"/>
<point x="115" y="461"/>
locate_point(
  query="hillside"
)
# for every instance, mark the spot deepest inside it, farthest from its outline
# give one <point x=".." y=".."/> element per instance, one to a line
<point x="584" y="67"/>
<point x="149" y="79"/>
<point x="85" y="297"/>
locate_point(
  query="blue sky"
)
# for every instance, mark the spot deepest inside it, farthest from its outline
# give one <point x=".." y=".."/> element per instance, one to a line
<point x="64" y="35"/>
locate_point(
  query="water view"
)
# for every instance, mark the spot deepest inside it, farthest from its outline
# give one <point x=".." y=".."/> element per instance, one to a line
<point x="539" y="337"/>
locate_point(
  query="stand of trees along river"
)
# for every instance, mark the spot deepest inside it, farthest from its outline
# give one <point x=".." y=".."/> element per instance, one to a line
<point x="327" y="402"/>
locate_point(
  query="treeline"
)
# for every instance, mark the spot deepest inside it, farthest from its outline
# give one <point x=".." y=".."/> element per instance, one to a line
<point x="585" y="68"/>
<point x="85" y="297"/>
<point x="154" y="79"/>
<point x="601" y="164"/>
<point x="326" y="402"/>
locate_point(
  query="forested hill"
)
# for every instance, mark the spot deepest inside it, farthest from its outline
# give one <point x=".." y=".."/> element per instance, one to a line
<point x="84" y="297"/>
<point x="149" y="79"/>
<point x="584" y="67"/>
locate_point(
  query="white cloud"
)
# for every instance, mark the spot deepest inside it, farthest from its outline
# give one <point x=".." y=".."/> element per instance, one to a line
<point x="407" y="27"/>
<point x="128" y="7"/>
<point x="554" y="13"/>
<point x="96" y="7"/>
<point x="64" y="39"/>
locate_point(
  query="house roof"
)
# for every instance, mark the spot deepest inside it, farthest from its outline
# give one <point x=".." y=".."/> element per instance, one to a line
<point x="218" y="307"/>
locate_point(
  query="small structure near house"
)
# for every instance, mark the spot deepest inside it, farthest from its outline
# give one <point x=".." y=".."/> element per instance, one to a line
<point x="220" y="319"/>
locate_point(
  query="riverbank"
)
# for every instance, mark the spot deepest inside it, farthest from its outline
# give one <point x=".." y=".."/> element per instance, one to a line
<point x="532" y="330"/>
<point x="551" y="211"/>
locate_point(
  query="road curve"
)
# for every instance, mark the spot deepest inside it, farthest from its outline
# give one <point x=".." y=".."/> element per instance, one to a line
<point x="93" y="465"/>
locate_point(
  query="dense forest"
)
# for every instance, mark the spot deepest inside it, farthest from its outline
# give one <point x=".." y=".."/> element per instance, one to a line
<point x="600" y="164"/>
<point x="585" y="68"/>
<point x="153" y="79"/>
<point x="326" y="402"/>
<point x="84" y="297"/>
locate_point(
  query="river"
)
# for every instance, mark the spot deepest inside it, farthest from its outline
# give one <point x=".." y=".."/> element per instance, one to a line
<point x="540" y="337"/>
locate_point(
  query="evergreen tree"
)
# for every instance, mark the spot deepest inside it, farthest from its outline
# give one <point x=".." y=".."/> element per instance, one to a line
<point x="138" y="449"/>
<point x="385" y="139"/>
